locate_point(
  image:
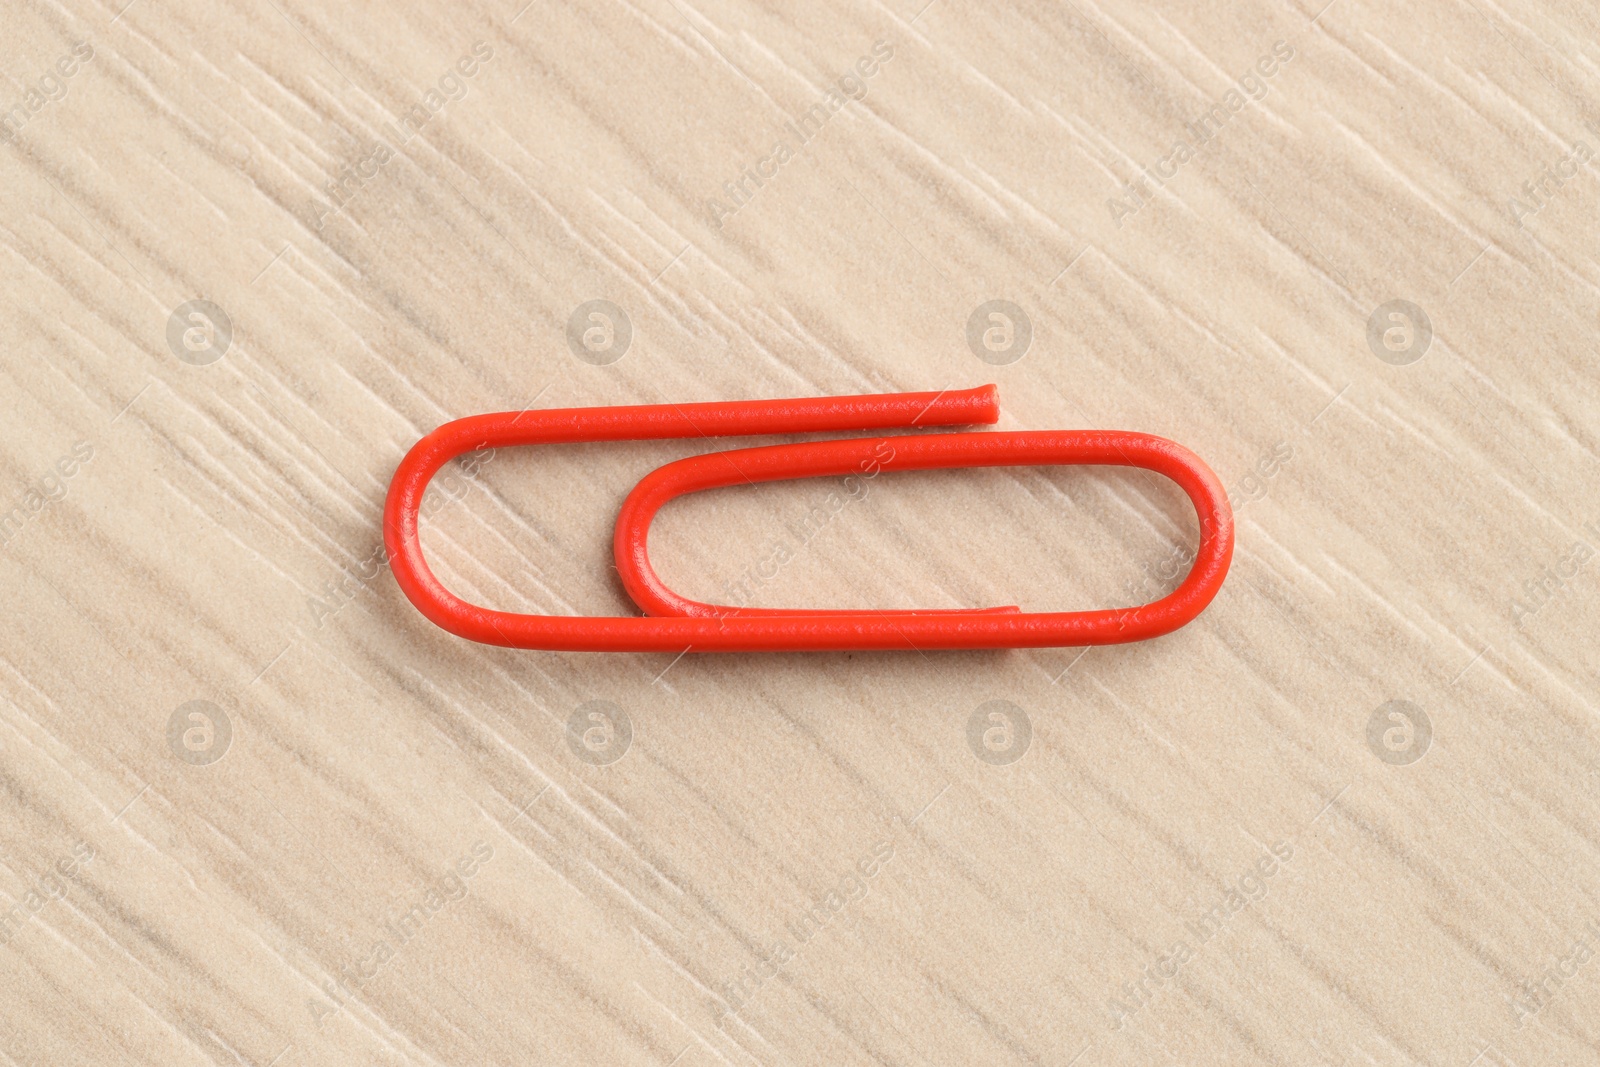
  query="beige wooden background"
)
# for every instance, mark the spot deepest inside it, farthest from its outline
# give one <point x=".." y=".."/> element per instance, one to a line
<point x="371" y="842"/>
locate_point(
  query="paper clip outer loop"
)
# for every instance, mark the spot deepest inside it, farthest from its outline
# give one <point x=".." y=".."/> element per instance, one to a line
<point x="951" y="407"/>
<point x="685" y="626"/>
<point x="985" y="628"/>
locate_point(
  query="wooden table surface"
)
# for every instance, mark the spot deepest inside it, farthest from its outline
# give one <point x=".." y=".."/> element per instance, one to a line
<point x="257" y="810"/>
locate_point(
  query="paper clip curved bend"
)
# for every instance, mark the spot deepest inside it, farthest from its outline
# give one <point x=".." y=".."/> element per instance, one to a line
<point x="677" y="624"/>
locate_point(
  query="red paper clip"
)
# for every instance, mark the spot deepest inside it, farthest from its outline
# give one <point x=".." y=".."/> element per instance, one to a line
<point x="678" y="624"/>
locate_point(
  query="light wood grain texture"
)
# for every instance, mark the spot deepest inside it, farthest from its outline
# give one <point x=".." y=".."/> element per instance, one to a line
<point x="382" y="844"/>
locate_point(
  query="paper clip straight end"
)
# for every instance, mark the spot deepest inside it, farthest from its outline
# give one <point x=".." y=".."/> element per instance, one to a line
<point x="978" y="406"/>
